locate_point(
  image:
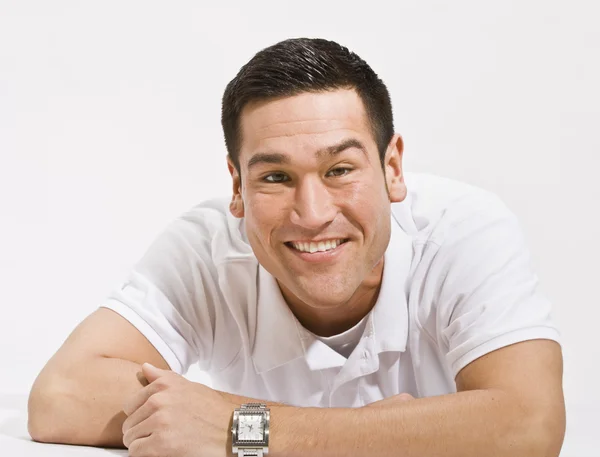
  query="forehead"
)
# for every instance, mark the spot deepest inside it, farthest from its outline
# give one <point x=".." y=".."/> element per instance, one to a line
<point x="307" y="118"/>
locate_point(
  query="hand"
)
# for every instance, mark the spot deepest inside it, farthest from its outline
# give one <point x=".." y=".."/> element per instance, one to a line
<point x="176" y="417"/>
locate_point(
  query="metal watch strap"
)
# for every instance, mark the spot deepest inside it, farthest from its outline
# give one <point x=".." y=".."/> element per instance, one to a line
<point x="259" y="406"/>
<point x="250" y="453"/>
<point x="254" y="452"/>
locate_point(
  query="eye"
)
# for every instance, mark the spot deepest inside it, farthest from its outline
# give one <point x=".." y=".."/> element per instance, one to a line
<point x="275" y="178"/>
<point x="339" y="171"/>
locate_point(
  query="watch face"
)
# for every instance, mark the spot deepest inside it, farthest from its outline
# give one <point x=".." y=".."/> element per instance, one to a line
<point x="251" y="427"/>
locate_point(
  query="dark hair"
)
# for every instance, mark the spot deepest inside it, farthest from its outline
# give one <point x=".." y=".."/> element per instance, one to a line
<point x="298" y="65"/>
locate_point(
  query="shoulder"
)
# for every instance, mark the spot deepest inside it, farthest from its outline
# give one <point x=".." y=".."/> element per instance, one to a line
<point x="473" y="276"/>
<point x="439" y="208"/>
<point x="196" y="246"/>
<point x="209" y="229"/>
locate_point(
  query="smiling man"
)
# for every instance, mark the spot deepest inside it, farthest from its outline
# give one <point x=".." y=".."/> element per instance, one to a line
<point x="341" y="306"/>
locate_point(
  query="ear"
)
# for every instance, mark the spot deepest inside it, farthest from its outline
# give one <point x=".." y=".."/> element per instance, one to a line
<point x="394" y="176"/>
<point x="236" y="207"/>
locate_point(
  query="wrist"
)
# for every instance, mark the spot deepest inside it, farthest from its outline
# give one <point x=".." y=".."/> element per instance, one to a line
<point x="296" y="431"/>
<point x="279" y="443"/>
<point x="301" y="431"/>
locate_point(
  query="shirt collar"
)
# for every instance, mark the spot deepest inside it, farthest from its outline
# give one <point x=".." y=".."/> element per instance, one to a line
<point x="280" y="338"/>
<point x="277" y="339"/>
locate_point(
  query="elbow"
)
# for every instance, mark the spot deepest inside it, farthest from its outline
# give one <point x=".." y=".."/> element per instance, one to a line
<point x="40" y="413"/>
<point x="545" y="435"/>
<point x="40" y="431"/>
<point x="37" y="425"/>
<point x="553" y="437"/>
<point x="46" y="421"/>
<point x="59" y="413"/>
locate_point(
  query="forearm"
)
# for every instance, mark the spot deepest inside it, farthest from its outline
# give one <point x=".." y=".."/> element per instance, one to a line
<point x="466" y="424"/>
<point x="84" y="406"/>
<point x="239" y="400"/>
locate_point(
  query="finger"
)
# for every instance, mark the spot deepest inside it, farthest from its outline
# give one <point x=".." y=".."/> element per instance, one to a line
<point x="142" y="379"/>
<point x="143" y="447"/>
<point x="142" y="413"/>
<point x="140" y="397"/>
<point x="152" y="373"/>
<point x="142" y="430"/>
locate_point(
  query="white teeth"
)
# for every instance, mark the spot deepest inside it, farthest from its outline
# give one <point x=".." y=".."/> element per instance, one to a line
<point x="320" y="246"/>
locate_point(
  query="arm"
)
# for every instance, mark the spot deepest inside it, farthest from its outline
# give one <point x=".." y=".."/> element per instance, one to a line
<point x="77" y="398"/>
<point x="510" y="403"/>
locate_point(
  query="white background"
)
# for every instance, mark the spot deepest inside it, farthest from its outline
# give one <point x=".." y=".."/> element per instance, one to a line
<point x="110" y="127"/>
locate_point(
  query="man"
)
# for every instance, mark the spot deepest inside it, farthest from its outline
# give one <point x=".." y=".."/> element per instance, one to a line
<point x="340" y="305"/>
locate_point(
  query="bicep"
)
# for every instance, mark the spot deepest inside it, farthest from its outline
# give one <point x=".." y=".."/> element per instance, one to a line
<point x="105" y="333"/>
<point x="515" y="366"/>
<point x="529" y="371"/>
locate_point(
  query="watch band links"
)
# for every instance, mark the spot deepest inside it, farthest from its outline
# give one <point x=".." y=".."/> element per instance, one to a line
<point x="250" y="453"/>
<point x="259" y="406"/>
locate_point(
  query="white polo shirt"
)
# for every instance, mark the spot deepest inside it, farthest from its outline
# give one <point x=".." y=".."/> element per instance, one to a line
<point x="457" y="284"/>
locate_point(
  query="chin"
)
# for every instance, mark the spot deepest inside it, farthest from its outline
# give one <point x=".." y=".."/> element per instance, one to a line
<point x="326" y="295"/>
<point x="327" y="302"/>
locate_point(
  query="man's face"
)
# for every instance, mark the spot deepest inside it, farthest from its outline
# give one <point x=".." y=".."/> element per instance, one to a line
<point x="312" y="181"/>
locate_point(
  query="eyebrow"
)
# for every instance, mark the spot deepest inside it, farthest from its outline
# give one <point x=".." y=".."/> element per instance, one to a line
<point x="331" y="151"/>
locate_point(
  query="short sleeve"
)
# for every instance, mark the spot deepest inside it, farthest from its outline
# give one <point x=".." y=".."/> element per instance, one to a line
<point x="165" y="296"/>
<point x="488" y="297"/>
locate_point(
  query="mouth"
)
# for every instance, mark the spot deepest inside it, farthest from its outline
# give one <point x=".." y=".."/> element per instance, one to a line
<point x="309" y="247"/>
<point x="320" y="252"/>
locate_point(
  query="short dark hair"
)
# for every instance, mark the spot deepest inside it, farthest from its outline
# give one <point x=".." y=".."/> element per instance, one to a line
<point x="298" y="65"/>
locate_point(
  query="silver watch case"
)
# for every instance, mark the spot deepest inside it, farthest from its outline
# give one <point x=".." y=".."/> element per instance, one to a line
<point x="251" y="409"/>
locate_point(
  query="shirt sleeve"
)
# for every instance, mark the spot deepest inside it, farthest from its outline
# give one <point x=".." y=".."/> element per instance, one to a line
<point x="165" y="295"/>
<point x="488" y="297"/>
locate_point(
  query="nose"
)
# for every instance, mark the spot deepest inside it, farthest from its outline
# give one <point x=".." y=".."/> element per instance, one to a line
<point x="313" y="204"/>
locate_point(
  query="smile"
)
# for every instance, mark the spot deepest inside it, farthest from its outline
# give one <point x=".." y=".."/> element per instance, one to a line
<point x="320" y="246"/>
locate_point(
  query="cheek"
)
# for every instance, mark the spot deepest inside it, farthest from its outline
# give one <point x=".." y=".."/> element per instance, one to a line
<point x="368" y="206"/>
<point x="369" y="185"/>
<point x="261" y="219"/>
<point x="367" y="198"/>
<point x="256" y="212"/>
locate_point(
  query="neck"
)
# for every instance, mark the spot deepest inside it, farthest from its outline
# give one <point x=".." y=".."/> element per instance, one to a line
<point x="338" y="319"/>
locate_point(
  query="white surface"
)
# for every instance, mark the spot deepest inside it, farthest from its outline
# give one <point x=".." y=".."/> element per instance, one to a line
<point x="581" y="440"/>
<point x="109" y="127"/>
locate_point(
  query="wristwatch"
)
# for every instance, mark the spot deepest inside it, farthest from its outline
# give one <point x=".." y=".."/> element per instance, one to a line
<point x="250" y="430"/>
